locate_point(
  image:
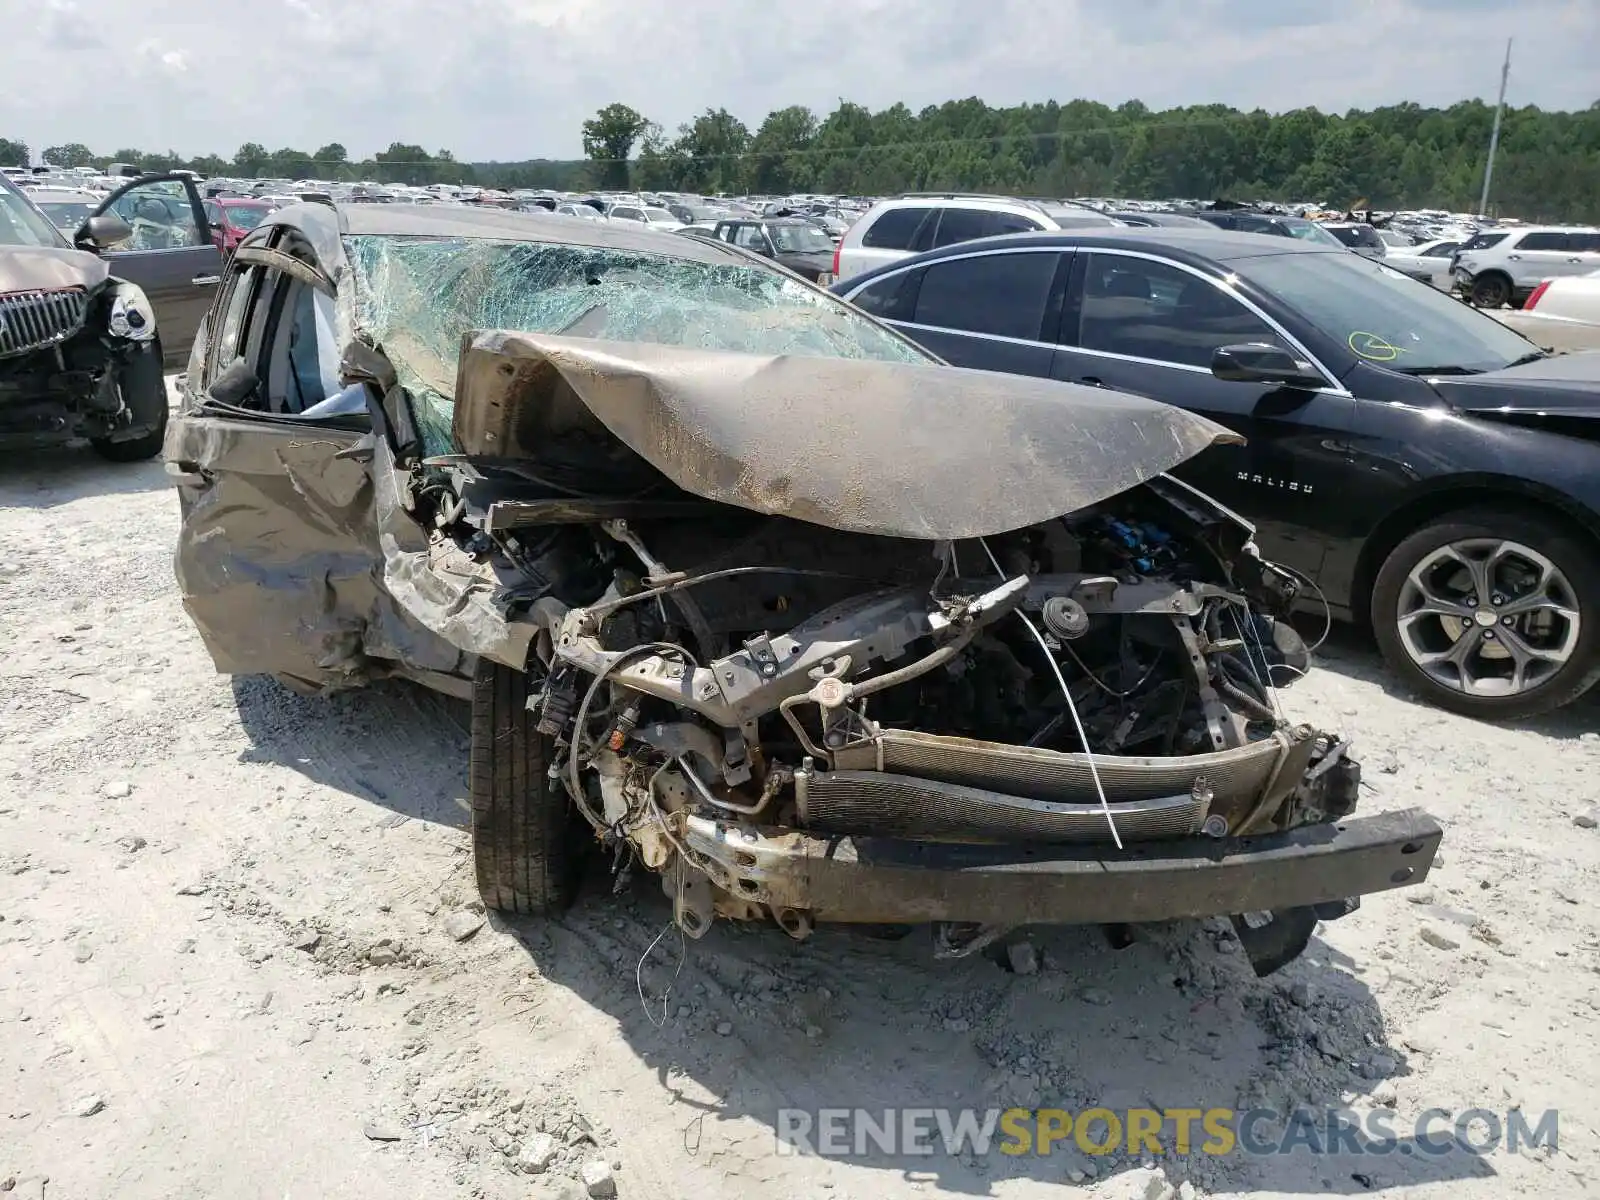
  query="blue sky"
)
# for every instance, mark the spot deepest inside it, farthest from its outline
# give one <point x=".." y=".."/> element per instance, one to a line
<point x="512" y="79"/>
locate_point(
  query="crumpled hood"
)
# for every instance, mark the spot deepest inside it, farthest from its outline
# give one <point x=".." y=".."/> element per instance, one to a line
<point x="1567" y="384"/>
<point x="43" y="268"/>
<point x="899" y="449"/>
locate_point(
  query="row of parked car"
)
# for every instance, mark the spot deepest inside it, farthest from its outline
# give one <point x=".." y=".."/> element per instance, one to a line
<point x="1493" y="267"/>
<point x="1547" y="270"/>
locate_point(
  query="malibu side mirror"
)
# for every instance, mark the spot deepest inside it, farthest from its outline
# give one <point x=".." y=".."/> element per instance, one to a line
<point x="104" y="230"/>
<point x="1261" y="362"/>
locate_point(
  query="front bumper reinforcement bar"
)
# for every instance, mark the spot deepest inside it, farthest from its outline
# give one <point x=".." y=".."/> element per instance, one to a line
<point x="886" y="880"/>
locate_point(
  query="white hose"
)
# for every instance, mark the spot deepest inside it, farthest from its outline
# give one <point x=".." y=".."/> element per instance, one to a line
<point x="1072" y="707"/>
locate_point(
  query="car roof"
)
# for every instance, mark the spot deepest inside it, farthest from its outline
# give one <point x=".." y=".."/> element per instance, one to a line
<point x="1259" y="214"/>
<point x="1196" y="246"/>
<point x="1171" y="220"/>
<point x="965" y="200"/>
<point x="324" y="225"/>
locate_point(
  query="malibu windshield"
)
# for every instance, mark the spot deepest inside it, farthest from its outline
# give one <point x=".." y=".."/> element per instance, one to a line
<point x="1385" y="317"/>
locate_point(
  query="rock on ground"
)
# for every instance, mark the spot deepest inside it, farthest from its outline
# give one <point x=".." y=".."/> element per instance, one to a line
<point x="598" y="1179"/>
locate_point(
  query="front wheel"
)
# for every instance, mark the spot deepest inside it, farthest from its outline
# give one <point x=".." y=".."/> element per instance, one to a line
<point x="143" y="387"/>
<point x="1493" y="615"/>
<point x="526" y="836"/>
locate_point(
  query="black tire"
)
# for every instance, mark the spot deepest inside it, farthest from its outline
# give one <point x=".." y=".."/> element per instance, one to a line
<point x="526" y="843"/>
<point x="1572" y="555"/>
<point x="1491" y="290"/>
<point x="144" y="391"/>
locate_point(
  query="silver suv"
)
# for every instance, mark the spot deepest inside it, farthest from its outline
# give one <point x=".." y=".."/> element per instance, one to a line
<point x="907" y="225"/>
<point x="1502" y="266"/>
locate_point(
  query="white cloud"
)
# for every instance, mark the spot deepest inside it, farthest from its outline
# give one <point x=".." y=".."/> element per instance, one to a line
<point x="158" y="54"/>
<point x="513" y="79"/>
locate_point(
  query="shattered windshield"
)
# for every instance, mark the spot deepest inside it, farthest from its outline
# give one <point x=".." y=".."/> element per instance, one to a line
<point x="417" y="297"/>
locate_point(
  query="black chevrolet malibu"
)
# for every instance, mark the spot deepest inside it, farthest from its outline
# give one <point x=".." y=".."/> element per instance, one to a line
<point x="1429" y="470"/>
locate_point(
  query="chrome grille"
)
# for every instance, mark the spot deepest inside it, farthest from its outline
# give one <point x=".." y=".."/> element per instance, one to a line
<point x="29" y="320"/>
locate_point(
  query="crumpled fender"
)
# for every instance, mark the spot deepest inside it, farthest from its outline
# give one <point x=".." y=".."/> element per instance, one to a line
<point x="443" y="588"/>
<point x="278" y="559"/>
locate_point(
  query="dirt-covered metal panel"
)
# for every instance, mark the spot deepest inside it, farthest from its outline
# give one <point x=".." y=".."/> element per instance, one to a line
<point x="903" y="449"/>
<point x="278" y="558"/>
<point x="455" y="595"/>
<point x="24" y="268"/>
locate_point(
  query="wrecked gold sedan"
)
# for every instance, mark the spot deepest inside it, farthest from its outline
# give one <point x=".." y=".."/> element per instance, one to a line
<point x="754" y="593"/>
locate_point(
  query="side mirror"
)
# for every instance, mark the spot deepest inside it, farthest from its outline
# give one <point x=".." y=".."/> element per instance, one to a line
<point x="103" y="231"/>
<point x="1261" y="362"/>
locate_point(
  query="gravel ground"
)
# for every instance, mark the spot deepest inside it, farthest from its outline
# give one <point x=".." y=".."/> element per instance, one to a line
<point x="240" y="954"/>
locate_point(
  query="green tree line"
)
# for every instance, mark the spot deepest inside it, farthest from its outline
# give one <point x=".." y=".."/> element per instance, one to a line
<point x="1402" y="155"/>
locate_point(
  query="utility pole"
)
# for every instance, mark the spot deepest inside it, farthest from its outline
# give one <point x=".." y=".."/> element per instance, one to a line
<point x="1494" y="136"/>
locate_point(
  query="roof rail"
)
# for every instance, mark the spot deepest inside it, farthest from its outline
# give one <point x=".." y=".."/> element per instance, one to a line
<point x="963" y="196"/>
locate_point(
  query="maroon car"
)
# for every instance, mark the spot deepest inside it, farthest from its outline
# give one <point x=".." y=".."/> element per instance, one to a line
<point x="232" y="217"/>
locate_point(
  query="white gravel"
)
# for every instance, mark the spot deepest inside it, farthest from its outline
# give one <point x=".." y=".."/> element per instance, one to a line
<point x="236" y="927"/>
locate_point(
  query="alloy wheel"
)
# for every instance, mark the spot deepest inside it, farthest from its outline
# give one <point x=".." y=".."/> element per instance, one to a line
<point x="1488" y="617"/>
<point x="1491" y="292"/>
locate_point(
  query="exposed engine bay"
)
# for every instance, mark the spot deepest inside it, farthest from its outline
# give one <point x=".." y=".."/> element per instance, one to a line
<point x="792" y="719"/>
<point x="1107" y="677"/>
